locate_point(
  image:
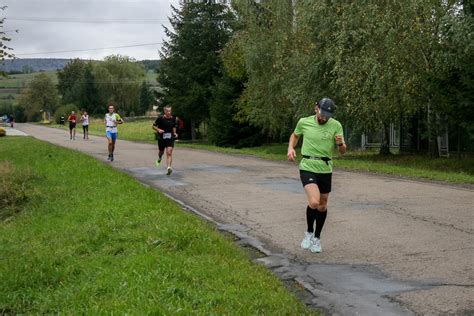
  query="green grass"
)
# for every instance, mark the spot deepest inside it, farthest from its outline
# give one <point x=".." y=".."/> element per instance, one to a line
<point x="14" y="84"/>
<point x="452" y="170"/>
<point x="151" y="77"/>
<point x="22" y="80"/>
<point x="268" y="151"/>
<point x="92" y="240"/>
<point x="135" y="131"/>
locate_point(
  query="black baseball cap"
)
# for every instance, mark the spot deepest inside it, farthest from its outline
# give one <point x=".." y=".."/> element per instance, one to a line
<point x="327" y="107"/>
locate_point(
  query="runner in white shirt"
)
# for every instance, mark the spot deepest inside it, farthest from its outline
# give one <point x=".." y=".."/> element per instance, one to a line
<point x="111" y="121"/>
<point x="85" y="124"/>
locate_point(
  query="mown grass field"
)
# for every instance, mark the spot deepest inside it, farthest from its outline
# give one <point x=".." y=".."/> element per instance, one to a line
<point x="14" y="84"/>
<point x="87" y="239"/>
<point x="452" y="170"/>
<point x="140" y="130"/>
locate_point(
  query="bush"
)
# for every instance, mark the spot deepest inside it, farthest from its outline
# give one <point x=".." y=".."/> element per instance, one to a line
<point x="64" y="110"/>
<point x="2" y="132"/>
<point x="9" y="108"/>
<point x="13" y="189"/>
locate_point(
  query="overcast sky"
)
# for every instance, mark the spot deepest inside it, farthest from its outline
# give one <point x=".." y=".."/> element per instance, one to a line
<point x="47" y="26"/>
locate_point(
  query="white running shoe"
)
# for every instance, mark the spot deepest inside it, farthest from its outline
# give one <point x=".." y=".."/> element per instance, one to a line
<point x="315" y="245"/>
<point x="169" y="171"/>
<point x="307" y="241"/>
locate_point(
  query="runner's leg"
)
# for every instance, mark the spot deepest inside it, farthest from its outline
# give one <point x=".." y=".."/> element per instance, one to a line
<point x="313" y="196"/>
<point x="109" y="145"/>
<point x="169" y="156"/>
<point x="321" y="214"/>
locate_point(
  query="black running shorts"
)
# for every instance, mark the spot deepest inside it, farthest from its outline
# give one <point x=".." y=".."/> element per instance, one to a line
<point x="322" y="180"/>
<point x="72" y="125"/>
<point x="163" y="143"/>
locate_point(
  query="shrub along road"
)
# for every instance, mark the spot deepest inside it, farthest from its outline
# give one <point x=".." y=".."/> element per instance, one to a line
<point x="390" y="246"/>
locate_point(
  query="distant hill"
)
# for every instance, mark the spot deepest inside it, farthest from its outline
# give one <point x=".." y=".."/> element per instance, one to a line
<point x="29" y="65"/>
<point x="33" y="64"/>
<point x="151" y="64"/>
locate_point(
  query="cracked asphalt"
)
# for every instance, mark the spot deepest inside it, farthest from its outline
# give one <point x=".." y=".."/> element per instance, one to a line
<point x="390" y="246"/>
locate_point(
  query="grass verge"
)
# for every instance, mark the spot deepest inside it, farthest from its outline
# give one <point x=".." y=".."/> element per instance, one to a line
<point x="139" y="130"/>
<point x="452" y="170"/>
<point x="95" y="241"/>
<point x="15" y="189"/>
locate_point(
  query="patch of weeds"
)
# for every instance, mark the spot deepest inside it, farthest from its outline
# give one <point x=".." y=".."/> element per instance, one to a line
<point x="15" y="189"/>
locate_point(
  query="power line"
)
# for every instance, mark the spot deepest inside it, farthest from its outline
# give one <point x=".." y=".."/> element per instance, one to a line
<point x="113" y="21"/>
<point x="88" y="21"/>
<point x="89" y="49"/>
<point x="11" y="31"/>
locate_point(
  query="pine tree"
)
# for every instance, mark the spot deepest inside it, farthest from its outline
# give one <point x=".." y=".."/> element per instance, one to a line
<point x="90" y="93"/>
<point x="5" y="51"/>
<point x="146" y="98"/>
<point x="190" y="58"/>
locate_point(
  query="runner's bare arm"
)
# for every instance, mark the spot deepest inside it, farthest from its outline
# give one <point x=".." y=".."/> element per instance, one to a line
<point x="291" y="147"/>
<point x="174" y="133"/>
<point x="341" y="146"/>
<point x="157" y="129"/>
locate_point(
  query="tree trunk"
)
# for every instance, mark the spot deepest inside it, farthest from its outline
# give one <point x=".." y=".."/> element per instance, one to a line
<point x="193" y="130"/>
<point x="459" y="142"/>
<point x="432" y="146"/>
<point x="385" y="146"/>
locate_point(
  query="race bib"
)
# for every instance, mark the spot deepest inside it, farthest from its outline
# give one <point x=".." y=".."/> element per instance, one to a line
<point x="166" y="135"/>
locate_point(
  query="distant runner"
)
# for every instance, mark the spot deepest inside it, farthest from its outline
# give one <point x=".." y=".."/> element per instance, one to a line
<point x="321" y="136"/>
<point x="165" y="126"/>
<point x="85" y="125"/>
<point x="111" y="121"/>
<point x="11" y="120"/>
<point x="72" y="125"/>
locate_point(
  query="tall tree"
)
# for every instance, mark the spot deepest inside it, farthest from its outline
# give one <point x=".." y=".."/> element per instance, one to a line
<point x="5" y="51"/>
<point x="146" y="98"/>
<point x="71" y="81"/>
<point x="41" y="95"/>
<point x="190" y="60"/>
<point x="262" y="43"/>
<point x="452" y="83"/>
<point x="89" y="97"/>
<point x="119" y="79"/>
<point x="376" y="60"/>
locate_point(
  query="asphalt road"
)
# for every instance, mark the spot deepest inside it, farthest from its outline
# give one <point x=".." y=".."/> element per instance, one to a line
<point x="390" y="246"/>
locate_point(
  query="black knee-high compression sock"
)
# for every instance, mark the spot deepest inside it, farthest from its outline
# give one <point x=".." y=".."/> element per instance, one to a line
<point x="320" y="219"/>
<point x="310" y="218"/>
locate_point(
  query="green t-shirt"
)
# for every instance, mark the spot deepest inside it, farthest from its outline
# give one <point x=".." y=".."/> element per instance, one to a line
<point x="318" y="141"/>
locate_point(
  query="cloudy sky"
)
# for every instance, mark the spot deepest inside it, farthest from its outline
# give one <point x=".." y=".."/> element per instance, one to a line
<point x="70" y="27"/>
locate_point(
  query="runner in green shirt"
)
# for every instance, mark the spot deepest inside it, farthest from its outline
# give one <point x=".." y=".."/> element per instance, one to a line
<point x="322" y="136"/>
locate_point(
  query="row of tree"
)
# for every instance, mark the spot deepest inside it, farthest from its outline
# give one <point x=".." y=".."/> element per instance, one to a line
<point x="193" y="76"/>
<point x="263" y="64"/>
<point x="90" y="86"/>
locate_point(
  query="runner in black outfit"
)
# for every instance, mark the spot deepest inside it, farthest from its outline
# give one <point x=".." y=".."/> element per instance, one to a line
<point x="165" y="126"/>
